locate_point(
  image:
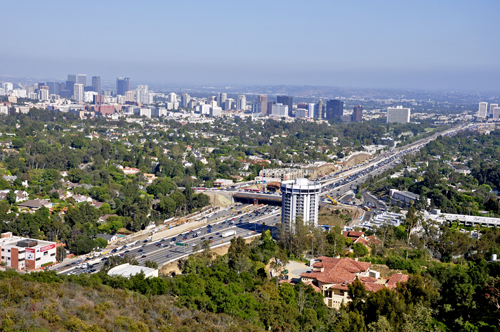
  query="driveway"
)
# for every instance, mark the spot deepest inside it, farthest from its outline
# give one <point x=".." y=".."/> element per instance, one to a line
<point x="295" y="269"/>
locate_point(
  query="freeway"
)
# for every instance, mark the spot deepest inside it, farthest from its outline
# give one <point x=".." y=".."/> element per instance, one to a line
<point x="165" y="250"/>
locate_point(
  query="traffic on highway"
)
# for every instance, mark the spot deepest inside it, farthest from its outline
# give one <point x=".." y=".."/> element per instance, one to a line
<point x="180" y="245"/>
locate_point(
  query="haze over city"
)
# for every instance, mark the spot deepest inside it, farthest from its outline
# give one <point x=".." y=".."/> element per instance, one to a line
<point x="366" y="44"/>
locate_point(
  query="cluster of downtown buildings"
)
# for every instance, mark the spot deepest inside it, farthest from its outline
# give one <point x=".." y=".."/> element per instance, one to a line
<point x="78" y="95"/>
<point x="493" y="112"/>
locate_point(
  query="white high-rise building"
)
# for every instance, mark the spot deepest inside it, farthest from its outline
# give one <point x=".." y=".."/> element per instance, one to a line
<point x="279" y="110"/>
<point x="7" y="87"/>
<point x="241" y="102"/>
<point x="78" y="92"/>
<point x="299" y="199"/>
<point x="215" y="111"/>
<point x="492" y="107"/>
<point x="398" y="114"/>
<point x="310" y="108"/>
<point x="496" y="113"/>
<point x="301" y="113"/>
<point x="88" y="96"/>
<point x="130" y="96"/>
<point x="43" y="94"/>
<point x="172" y="97"/>
<point x="483" y="110"/>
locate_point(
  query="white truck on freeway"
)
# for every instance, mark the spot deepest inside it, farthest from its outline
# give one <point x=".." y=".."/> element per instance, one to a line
<point x="228" y="233"/>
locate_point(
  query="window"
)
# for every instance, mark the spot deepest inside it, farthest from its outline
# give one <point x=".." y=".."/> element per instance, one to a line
<point x="21" y="259"/>
<point x="37" y="259"/>
<point x="8" y="250"/>
<point x="8" y="258"/>
<point x="53" y="254"/>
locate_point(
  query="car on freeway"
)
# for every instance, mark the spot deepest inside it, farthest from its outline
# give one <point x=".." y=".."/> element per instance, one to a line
<point x="203" y="238"/>
<point x="104" y="259"/>
<point x="169" y="255"/>
<point x="210" y="238"/>
<point x="141" y="250"/>
<point x="92" y="271"/>
<point x="217" y="233"/>
<point x="127" y="251"/>
<point x="143" y="256"/>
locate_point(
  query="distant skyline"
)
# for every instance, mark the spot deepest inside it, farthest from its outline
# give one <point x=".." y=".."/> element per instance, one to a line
<point x="365" y="44"/>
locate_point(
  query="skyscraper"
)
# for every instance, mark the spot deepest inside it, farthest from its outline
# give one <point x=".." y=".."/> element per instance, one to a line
<point x="286" y="100"/>
<point x="357" y="113"/>
<point x="483" y="109"/>
<point x="96" y="84"/>
<point x="262" y="101"/>
<point x="398" y="114"/>
<point x="70" y="82"/>
<point x="334" y="109"/>
<point x="122" y="85"/>
<point x="241" y="102"/>
<point x="299" y="199"/>
<point x="223" y="97"/>
<point x="185" y="100"/>
<point x="78" y="92"/>
<point x="492" y="107"/>
<point x="82" y="79"/>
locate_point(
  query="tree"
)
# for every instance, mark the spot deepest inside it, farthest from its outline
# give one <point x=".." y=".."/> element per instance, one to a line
<point x="11" y="197"/>
<point x="360" y="249"/>
<point x="414" y="219"/>
<point x="60" y="253"/>
<point x="101" y="243"/>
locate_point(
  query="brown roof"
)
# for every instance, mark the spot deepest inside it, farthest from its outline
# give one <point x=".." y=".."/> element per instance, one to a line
<point x="373" y="239"/>
<point x="352" y="234"/>
<point x="362" y="241"/>
<point x="337" y="270"/>
<point x="395" y="278"/>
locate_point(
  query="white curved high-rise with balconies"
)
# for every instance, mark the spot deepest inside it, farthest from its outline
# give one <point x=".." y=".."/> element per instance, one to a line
<point x="300" y="199"/>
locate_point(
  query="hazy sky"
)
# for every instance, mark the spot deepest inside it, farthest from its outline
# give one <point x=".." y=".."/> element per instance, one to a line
<point x="396" y="44"/>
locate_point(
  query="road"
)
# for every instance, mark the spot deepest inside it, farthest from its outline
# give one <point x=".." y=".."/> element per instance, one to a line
<point x="165" y="250"/>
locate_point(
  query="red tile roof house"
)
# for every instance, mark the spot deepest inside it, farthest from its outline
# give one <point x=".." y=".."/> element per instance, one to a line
<point x="333" y="275"/>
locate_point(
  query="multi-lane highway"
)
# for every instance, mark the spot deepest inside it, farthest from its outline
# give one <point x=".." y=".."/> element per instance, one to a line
<point x="166" y="250"/>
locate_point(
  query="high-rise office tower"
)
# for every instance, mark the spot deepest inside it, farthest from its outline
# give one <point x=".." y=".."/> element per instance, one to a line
<point x="122" y="85"/>
<point x="172" y="97"/>
<point x="492" y="107"/>
<point x="52" y="88"/>
<point x="262" y="101"/>
<point x="96" y="84"/>
<point x="43" y="93"/>
<point x="82" y="79"/>
<point x="70" y="82"/>
<point x="334" y="109"/>
<point x="483" y="109"/>
<point x="319" y="111"/>
<point x="78" y="92"/>
<point x="270" y="107"/>
<point x="357" y="113"/>
<point x="185" y="100"/>
<point x="241" y="102"/>
<point x="223" y="97"/>
<point x="398" y="114"/>
<point x="286" y="100"/>
<point x="311" y="108"/>
<point x="299" y="200"/>
<point x="279" y="110"/>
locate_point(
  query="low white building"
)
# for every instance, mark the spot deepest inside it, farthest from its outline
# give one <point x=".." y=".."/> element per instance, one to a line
<point x="127" y="270"/>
